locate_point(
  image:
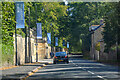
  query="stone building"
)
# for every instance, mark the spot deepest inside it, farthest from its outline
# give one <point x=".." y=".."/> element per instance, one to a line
<point x="97" y="52"/>
<point x="96" y="38"/>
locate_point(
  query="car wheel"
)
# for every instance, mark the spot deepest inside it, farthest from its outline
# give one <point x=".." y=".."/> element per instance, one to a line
<point x="54" y="62"/>
<point x="67" y="62"/>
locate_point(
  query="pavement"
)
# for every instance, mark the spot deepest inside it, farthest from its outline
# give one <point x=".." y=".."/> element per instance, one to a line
<point x="23" y="71"/>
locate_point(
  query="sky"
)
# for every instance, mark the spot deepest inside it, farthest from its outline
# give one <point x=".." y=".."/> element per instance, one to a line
<point x="66" y="2"/>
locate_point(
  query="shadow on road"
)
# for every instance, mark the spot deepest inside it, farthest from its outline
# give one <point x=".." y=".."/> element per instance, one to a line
<point x="77" y="69"/>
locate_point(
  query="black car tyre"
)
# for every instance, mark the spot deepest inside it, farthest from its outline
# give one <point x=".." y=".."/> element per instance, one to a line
<point x="67" y="62"/>
<point x="54" y="62"/>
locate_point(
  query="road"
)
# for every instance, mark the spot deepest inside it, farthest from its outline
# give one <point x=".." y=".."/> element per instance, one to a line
<point x="77" y="69"/>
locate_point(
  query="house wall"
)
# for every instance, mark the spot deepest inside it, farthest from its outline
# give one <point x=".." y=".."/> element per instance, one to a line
<point x="95" y="37"/>
<point x="100" y="55"/>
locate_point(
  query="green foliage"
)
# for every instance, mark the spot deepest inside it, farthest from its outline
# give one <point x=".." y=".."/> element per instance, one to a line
<point x="97" y="47"/>
<point x="20" y="32"/>
<point x="112" y="25"/>
<point x="69" y="22"/>
<point x="7" y="53"/>
<point x="8" y="22"/>
<point x="7" y="29"/>
<point x="47" y="13"/>
<point x="51" y="14"/>
<point x="77" y="25"/>
<point x="82" y="15"/>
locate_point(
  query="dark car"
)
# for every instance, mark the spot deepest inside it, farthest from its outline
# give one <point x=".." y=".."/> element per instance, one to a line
<point x="60" y="57"/>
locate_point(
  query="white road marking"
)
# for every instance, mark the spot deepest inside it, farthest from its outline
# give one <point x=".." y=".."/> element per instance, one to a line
<point x="61" y="69"/>
<point x="90" y="72"/>
<point x="101" y="77"/>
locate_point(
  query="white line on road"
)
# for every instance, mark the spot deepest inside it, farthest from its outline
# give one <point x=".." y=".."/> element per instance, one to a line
<point x="97" y="75"/>
<point x="61" y="69"/>
<point x="101" y="77"/>
<point x="90" y="72"/>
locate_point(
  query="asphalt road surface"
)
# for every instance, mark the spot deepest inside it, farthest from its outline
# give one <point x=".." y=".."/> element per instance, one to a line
<point x="77" y="69"/>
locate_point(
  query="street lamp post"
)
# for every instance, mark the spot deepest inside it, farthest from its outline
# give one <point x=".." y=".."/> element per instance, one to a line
<point x="30" y="60"/>
<point x="16" y="46"/>
<point x="16" y="62"/>
<point x="36" y="34"/>
<point x="52" y="38"/>
<point x="52" y="44"/>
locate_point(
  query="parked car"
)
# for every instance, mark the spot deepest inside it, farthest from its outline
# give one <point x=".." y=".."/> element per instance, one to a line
<point x="60" y="57"/>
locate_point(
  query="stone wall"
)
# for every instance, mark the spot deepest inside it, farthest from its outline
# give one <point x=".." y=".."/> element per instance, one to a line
<point x="111" y="56"/>
<point x="48" y="51"/>
<point x="43" y="49"/>
<point x="21" y="49"/>
<point x="33" y="50"/>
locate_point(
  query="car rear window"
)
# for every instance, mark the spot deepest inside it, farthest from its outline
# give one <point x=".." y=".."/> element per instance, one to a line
<point x="60" y="54"/>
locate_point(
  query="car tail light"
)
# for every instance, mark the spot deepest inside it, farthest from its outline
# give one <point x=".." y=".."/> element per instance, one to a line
<point x="55" y="57"/>
<point x="65" y="56"/>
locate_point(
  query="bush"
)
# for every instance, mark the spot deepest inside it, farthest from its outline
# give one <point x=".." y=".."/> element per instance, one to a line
<point x="7" y="53"/>
<point x="97" y="47"/>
